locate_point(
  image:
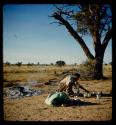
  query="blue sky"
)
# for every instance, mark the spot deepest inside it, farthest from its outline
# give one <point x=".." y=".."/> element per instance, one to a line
<point x="28" y="36"/>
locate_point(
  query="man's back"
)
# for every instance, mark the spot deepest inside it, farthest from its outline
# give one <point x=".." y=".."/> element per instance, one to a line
<point x="67" y="83"/>
<point x="68" y="79"/>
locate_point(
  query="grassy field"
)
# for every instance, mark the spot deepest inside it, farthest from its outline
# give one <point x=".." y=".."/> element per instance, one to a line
<point x="34" y="109"/>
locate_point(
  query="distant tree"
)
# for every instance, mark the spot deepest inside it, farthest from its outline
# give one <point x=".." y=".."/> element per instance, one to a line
<point x="75" y="64"/>
<point x="60" y="63"/>
<point x="51" y="64"/>
<point x="7" y="63"/>
<point x="38" y="63"/>
<point x="30" y="64"/>
<point x="94" y="20"/>
<point x="105" y="64"/>
<point x="19" y="64"/>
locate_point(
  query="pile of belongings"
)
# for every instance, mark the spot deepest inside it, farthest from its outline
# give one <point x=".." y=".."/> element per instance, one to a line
<point x="22" y="91"/>
<point x="61" y="99"/>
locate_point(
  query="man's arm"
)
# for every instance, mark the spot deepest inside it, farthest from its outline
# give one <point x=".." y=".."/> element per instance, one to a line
<point x="80" y="86"/>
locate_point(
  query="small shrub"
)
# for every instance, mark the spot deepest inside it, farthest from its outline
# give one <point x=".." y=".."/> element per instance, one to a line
<point x="30" y="64"/>
<point x="8" y="63"/>
<point x="105" y="64"/>
<point x="89" y="64"/>
<point x="87" y="69"/>
<point x="19" y="64"/>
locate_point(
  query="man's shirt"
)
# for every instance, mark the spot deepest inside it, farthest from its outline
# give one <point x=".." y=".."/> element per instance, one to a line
<point x="69" y="80"/>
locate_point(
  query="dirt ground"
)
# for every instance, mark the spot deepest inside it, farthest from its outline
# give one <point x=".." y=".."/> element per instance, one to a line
<point x="34" y="108"/>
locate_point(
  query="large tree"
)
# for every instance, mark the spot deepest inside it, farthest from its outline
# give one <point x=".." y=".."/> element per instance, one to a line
<point x="89" y="19"/>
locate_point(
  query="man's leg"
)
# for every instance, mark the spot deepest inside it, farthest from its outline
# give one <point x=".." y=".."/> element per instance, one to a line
<point x="78" y="92"/>
<point x="69" y="90"/>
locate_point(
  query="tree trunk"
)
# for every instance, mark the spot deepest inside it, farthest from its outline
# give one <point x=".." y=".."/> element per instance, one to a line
<point x="98" y="69"/>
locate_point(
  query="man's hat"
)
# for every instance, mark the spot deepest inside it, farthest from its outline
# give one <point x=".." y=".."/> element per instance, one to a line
<point x="76" y="74"/>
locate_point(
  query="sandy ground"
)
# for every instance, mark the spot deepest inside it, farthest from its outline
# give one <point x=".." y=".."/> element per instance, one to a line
<point x="34" y="108"/>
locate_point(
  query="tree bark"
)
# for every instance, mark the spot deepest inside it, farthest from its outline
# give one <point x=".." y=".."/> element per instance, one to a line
<point x="98" y="69"/>
<point x="99" y="55"/>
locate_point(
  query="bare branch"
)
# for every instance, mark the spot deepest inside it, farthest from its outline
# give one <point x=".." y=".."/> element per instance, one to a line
<point x="74" y="34"/>
<point x="104" y="24"/>
<point x="107" y="39"/>
<point x="64" y="10"/>
<point x="108" y="36"/>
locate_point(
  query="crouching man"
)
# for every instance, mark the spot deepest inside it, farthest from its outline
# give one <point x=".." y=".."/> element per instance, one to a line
<point x="68" y="82"/>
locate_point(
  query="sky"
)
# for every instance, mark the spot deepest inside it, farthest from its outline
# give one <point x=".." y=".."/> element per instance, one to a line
<point x="29" y="36"/>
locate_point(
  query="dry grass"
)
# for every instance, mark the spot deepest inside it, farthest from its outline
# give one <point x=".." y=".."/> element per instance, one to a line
<point x="34" y="108"/>
<point x="38" y="73"/>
